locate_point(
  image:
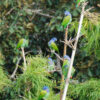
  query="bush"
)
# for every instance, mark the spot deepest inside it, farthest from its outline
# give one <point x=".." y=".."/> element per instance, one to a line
<point x="89" y="90"/>
<point x="4" y="81"/>
<point x="29" y="84"/>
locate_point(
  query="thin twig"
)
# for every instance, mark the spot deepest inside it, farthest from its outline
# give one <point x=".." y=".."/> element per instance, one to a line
<point x="89" y="9"/>
<point x="73" y="53"/>
<point x="10" y="11"/>
<point x="17" y="64"/>
<point x="65" y="46"/>
<point x="23" y="55"/>
<point x="57" y="55"/>
<point x="39" y="13"/>
<point x="70" y="41"/>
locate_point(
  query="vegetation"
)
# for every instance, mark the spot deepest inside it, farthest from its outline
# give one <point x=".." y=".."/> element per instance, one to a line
<point x="89" y="90"/>
<point x="37" y="21"/>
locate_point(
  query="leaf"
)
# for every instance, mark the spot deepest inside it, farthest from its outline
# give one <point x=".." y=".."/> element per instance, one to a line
<point x="11" y="30"/>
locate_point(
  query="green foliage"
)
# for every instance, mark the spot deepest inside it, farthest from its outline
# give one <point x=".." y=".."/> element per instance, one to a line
<point x="2" y="62"/>
<point x="29" y="84"/>
<point x="89" y="90"/>
<point x="92" y="45"/>
<point x="57" y="97"/>
<point x="4" y="81"/>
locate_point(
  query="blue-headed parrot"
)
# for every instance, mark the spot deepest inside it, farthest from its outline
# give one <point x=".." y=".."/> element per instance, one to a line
<point x="51" y="64"/>
<point x="53" y="45"/>
<point x="22" y="43"/>
<point x="65" y="66"/>
<point x="67" y="19"/>
<point x="44" y="93"/>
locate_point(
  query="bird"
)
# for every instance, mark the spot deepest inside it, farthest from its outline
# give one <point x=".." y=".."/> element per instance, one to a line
<point x="77" y="2"/>
<point x="53" y="45"/>
<point x="65" y="66"/>
<point x="22" y="43"/>
<point x="67" y="19"/>
<point x="44" y="93"/>
<point x="50" y="64"/>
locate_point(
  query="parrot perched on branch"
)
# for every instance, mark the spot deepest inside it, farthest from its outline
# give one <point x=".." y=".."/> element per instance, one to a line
<point x="65" y="66"/>
<point x="53" y="45"/>
<point x="78" y="2"/>
<point x="51" y="64"/>
<point x="67" y="19"/>
<point x="22" y="43"/>
<point x="44" y="93"/>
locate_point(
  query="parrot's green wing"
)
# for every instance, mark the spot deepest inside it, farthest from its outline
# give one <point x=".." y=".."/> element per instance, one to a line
<point x="42" y="95"/>
<point x="65" y="69"/>
<point x="22" y="43"/>
<point x="66" y="21"/>
<point x="51" y="67"/>
<point x="78" y="1"/>
<point x="73" y="70"/>
<point x="54" y="47"/>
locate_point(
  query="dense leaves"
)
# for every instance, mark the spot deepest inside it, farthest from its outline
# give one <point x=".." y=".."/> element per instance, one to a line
<point x="38" y="21"/>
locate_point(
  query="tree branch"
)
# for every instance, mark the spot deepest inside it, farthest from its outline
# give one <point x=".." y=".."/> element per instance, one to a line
<point x="39" y="13"/>
<point x="57" y="55"/>
<point x="17" y="64"/>
<point x="73" y="53"/>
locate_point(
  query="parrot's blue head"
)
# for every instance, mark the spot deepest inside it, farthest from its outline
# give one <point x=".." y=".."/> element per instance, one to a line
<point x="67" y="57"/>
<point x="46" y="88"/>
<point x="50" y="61"/>
<point x="67" y="13"/>
<point x="52" y="40"/>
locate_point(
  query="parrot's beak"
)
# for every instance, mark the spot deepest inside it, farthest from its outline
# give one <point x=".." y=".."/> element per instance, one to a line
<point x="79" y="4"/>
<point x="71" y="77"/>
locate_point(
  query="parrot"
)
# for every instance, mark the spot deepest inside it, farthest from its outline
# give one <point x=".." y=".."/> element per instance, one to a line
<point x="65" y="67"/>
<point x="78" y="2"/>
<point x="44" y="93"/>
<point x="67" y="19"/>
<point x="51" y="64"/>
<point x="22" y="43"/>
<point x="53" y="45"/>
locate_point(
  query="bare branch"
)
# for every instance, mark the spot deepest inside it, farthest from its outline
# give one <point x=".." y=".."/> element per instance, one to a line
<point x="38" y="11"/>
<point x="89" y="9"/>
<point x="57" y="55"/>
<point x="17" y="64"/>
<point x="70" y="41"/>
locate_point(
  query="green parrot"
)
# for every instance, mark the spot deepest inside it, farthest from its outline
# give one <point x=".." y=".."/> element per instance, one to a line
<point x="78" y="2"/>
<point x="67" y="19"/>
<point x="53" y="45"/>
<point x="65" y="67"/>
<point x="51" y="64"/>
<point x="22" y="43"/>
<point x="44" y="93"/>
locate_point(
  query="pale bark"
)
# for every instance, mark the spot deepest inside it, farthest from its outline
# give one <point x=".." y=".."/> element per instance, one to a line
<point x="73" y="53"/>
